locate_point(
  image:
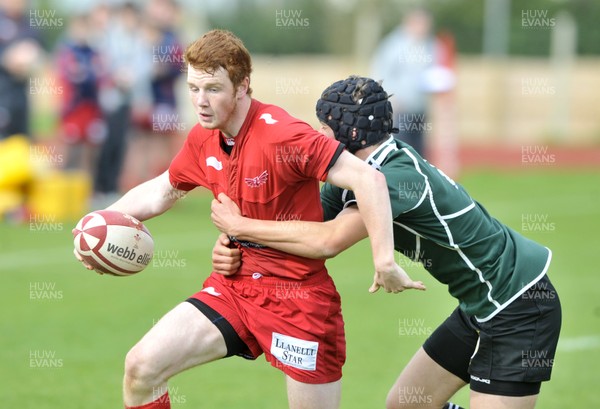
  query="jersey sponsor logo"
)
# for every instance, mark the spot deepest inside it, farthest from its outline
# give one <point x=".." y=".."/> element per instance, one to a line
<point x="268" y="118"/>
<point x="211" y="291"/>
<point x="295" y="352"/>
<point x="214" y="162"/>
<point x="257" y="180"/>
<point x="478" y="379"/>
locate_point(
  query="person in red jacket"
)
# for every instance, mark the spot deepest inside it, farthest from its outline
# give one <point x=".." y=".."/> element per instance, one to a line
<point x="270" y="164"/>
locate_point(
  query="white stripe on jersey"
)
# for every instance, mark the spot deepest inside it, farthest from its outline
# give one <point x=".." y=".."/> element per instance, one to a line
<point x="344" y="195"/>
<point x="349" y="203"/>
<point x="408" y="229"/>
<point x="525" y="288"/>
<point x="423" y="196"/>
<point x="377" y="157"/>
<point x="449" y="233"/>
<point x="384" y="154"/>
<point x="460" y="212"/>
<point x="385" y="148"/>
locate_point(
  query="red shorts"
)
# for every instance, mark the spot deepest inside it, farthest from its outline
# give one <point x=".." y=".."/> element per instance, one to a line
<point x="298" y="325"/>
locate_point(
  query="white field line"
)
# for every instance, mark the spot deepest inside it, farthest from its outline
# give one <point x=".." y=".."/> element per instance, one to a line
<point x="581" y="343"/>
<point x="64" y="254"/>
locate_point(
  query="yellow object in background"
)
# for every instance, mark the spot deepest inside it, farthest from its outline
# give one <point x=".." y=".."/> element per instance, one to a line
<point x="29" y="177"/>
<point x="59" y="195"/>
<point x="15" y="163"/>
<point x="10" y="199"/>
<point x="15" y="172"/>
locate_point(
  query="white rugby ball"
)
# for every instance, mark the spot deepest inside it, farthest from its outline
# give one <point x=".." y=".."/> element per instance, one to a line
<point x="113" y="242"/>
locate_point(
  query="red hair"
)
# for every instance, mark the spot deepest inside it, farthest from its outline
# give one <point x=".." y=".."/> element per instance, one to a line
<point x="220" y="48"/>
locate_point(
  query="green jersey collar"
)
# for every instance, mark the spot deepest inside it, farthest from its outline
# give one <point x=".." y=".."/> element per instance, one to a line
<point x="377" y="157"/>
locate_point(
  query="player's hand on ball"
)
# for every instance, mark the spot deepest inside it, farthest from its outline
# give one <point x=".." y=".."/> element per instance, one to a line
<point x="394" y="280"/>
<point x="225" y="214"/>
<point x="225" y="260"/>
<point x="85" y="263"/>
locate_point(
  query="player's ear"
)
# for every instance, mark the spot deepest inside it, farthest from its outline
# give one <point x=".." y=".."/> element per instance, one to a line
<point x="243" y="88"/>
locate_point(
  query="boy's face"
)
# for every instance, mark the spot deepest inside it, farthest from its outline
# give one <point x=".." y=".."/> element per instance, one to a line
<point x="213" y="96"/>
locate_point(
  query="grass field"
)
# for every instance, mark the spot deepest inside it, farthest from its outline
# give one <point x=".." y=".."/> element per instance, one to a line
<point x="65" y="331"/>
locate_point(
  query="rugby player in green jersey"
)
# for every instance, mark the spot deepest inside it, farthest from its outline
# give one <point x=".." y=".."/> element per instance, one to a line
<point x="502" y="337"/>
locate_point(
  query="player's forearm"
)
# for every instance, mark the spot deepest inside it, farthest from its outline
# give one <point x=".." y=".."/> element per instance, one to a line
<point x="148" y="199"/>
<point x="372" y="195"/>
<point x="301" y="238"/>
<point x="373" y="200"/>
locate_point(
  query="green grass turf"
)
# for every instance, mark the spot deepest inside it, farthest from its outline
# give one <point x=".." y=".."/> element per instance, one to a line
<point x="66" y="350"/>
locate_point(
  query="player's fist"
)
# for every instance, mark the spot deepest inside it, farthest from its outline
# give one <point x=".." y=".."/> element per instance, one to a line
<point x="225" y="214"/>
<point x="225" y="260"/>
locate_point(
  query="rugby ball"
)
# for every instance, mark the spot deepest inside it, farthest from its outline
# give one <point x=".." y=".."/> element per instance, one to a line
<point x="113" y="242"/>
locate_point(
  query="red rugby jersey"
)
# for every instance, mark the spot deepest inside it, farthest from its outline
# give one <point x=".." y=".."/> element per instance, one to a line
<point x="273" y="173"/>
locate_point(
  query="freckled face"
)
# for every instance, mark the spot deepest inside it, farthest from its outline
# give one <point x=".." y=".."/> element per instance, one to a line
<point x="213" y="97"/>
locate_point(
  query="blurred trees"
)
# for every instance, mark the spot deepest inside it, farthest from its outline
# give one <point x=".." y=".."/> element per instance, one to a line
<point x="317" y="26"/>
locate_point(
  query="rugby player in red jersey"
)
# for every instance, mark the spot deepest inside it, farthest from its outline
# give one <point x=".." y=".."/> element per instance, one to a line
<point x="237" y="148"/>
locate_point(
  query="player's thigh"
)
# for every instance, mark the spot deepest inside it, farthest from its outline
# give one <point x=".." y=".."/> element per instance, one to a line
<point x="182" y="339"/>
<point x="486" y="401"/>
<point x="423" y="384"/>
<point x="313" y="396"/>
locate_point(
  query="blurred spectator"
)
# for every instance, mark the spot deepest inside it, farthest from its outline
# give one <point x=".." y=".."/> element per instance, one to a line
<point x="158" y="125"/>
<point x="128" y="63"/>
<point x="440" y="80"/>
<point x="402" y="60"/>
<point x="167" y="54"/>
<point x="79" y="70"/>
<point x="19" y="50"/>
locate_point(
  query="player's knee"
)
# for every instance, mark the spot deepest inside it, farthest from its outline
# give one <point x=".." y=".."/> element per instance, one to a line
<point x="140" y="370"/>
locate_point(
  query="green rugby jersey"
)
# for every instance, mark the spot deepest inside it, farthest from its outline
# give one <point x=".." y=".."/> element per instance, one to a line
<point x="485" y="264"/>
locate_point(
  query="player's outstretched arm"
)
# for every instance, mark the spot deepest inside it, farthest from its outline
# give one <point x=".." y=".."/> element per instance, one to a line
<point x="145" y="201"/>
<point x="149" y="199"/>
<point x="302" y="238"/>
<point x="372" y="195"/>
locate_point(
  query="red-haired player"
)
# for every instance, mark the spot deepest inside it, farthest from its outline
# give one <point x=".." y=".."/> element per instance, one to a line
<point x="237" y="149"/>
